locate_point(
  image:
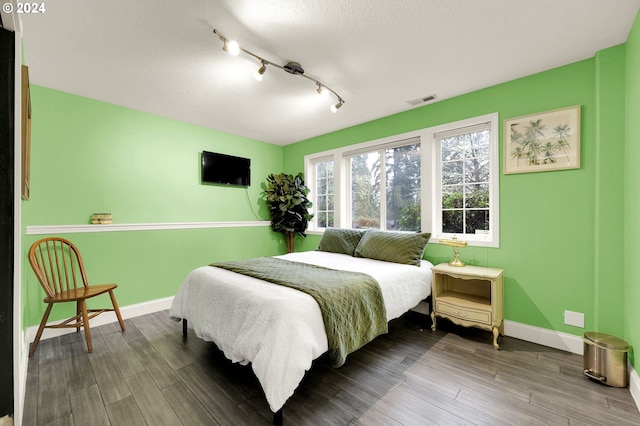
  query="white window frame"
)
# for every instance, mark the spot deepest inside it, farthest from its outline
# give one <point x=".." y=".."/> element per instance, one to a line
<point x="431" y="219"/>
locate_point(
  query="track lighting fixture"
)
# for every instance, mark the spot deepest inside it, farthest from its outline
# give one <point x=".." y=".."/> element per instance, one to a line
<point x="294" y="68"/>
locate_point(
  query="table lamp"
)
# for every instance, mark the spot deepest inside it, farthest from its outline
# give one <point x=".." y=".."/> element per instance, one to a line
<point x="455" y="243"/>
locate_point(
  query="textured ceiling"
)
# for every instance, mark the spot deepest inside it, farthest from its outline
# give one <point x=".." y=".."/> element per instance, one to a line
<point x="161" y="56"/>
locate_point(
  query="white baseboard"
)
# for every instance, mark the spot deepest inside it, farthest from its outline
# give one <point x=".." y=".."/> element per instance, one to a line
<point x="542" y="336"/>
<point x="634" y="385"/>
<point x="130" y="311"/>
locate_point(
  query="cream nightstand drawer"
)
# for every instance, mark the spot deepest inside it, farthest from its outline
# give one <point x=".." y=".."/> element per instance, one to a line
<point x="483" y="317"/>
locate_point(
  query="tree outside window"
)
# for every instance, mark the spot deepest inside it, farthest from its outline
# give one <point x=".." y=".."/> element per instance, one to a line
<point x="389" y="200"/>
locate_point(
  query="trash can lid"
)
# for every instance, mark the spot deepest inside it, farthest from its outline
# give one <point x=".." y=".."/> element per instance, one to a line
<point x="606" y="341"/>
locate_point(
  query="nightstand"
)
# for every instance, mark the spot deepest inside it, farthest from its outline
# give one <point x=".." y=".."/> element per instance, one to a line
<point x="471" y="296"/>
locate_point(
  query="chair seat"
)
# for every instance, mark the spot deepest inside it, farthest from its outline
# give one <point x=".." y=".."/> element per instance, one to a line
<point x="80" y="293"/>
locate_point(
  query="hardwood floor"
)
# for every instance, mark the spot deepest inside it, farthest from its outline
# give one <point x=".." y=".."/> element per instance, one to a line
<point x="410" y="376"/>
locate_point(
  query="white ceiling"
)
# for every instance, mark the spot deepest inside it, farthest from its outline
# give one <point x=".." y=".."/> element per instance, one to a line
<point x="161" y="56"/>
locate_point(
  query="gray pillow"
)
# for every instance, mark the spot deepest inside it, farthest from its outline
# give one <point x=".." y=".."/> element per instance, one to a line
<point x="338" y="240"/>
<point x="398" y="247"/>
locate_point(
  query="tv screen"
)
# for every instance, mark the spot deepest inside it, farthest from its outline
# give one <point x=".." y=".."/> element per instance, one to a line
<point x="225" y="169"/>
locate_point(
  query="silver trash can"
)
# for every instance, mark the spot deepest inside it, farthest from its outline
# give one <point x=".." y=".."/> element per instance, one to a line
<point x="605" y="359"/>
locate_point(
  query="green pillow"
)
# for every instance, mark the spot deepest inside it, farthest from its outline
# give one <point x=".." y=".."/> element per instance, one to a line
<point x="338" y="240"/>
<point x="397" y="247"/>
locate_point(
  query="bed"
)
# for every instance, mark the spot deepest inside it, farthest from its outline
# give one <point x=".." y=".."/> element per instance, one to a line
<point x="280" y="330"/>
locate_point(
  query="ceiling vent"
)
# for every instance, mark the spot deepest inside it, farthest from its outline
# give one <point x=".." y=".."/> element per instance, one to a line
<point x="422" y="100"/>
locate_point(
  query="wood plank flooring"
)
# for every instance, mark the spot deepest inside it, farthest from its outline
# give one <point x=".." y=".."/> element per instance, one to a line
<point x="150" y="375"/>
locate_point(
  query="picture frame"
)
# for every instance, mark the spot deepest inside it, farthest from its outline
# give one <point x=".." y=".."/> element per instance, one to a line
<point x="542" y="142"/>
<point x="26" y="133"/>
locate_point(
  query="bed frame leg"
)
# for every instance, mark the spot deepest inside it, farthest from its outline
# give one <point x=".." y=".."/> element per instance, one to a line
<point x="184" y="328"/>
<point x="277" y="418"/>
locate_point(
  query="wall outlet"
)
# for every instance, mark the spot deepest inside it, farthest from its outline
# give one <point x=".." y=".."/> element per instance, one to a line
<point x="575" y="319"/>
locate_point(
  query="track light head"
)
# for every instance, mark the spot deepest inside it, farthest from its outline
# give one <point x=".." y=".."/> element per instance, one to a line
<point x="232" y="47"/>
<point x="322" y="90"/>
<point x="334" y="108"/>
<point x="260" y="71"/>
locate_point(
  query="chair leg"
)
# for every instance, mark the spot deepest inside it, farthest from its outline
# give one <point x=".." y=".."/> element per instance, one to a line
<point x="116" y="309"/>
<point x="85" y="324"/>
<point x="78" y="316"/>
<point x="45" y="317"/>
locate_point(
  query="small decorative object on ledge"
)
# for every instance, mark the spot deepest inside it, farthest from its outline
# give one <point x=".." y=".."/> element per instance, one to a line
<point x="101" y="218"/>
<point x="455" y="243"/>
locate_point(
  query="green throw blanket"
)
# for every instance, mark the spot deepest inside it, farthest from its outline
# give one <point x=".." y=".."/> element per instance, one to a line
<point x="351" y="303"/>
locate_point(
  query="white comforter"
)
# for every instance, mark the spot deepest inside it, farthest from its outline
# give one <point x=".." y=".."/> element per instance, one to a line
<point x="277" y="329"/>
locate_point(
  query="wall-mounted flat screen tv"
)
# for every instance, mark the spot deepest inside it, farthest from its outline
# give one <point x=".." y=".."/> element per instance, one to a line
<point x="225" y="169"/>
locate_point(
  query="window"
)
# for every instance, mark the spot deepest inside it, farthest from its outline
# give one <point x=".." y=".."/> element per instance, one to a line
<point x="385" y="187"/>
<point x="464" y="181"/>
<point x="442" y="180"/>
<point x="323" y="193"/>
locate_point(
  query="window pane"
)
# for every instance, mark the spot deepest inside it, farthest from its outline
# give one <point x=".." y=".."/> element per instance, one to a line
<point x="452" y="221"/>
<point x="452" y="197"/>
<point x="365" y="190"/>
<point x="477" y="220"/>
<point x="476" y="169"/>
<point x="452" y="172"/>
<point x="403" y="188"/>
<point x="322" y="219"/>
<point x="478" y="144"/>
<point x="476" y="196"/>
<point x="322" y="186"/>
<point x="321" y="170"/>
<point x="452" y="148"/>
<point x="321" y="203"/>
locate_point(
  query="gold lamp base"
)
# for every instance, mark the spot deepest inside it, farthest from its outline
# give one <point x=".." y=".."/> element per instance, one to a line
<point x="456" y="259"/>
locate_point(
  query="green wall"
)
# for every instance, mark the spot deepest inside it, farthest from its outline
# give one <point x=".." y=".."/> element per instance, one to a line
<point x="547" y="220"/>
<point x="632" y="194"/>
<point x="89" y="156"/>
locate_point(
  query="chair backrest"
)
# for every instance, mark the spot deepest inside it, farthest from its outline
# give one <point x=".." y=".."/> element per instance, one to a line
<point x="57" y="264"/>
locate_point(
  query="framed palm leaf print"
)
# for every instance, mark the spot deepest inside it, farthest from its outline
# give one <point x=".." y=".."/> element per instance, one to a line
<point x="542" y="142"/>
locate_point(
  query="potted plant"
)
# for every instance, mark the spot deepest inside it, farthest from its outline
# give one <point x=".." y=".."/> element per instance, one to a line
<point x="286" y="199"/>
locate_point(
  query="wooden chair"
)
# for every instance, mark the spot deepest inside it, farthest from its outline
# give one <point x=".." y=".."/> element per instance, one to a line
<point x="58" y="265"/>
